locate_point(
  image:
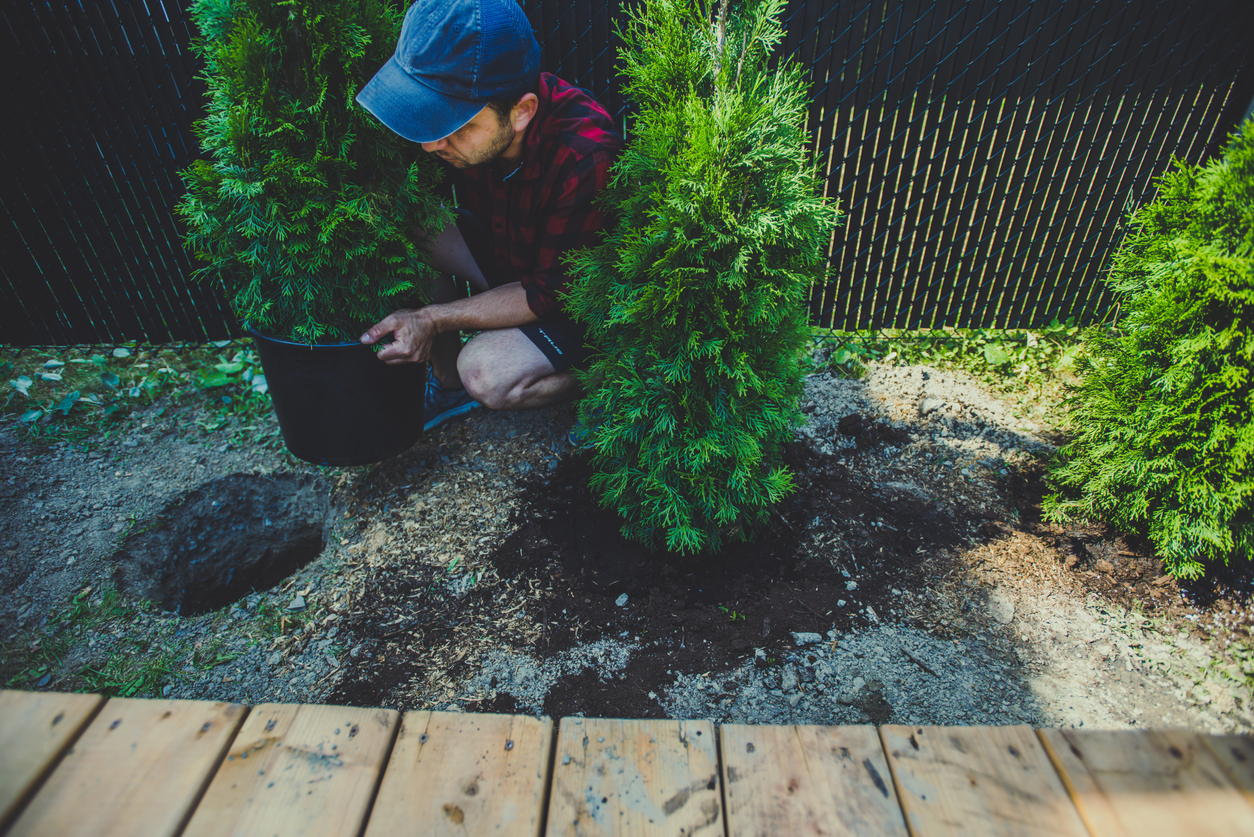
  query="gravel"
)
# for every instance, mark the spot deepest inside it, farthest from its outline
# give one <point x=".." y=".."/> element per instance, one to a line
<point x="529" y="680"/>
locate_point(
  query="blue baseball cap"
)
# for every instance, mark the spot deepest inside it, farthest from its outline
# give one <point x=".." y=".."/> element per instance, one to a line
<point x="453" y="57"/>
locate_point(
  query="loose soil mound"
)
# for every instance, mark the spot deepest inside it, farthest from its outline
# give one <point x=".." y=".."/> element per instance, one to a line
<point x="689" y="614"/>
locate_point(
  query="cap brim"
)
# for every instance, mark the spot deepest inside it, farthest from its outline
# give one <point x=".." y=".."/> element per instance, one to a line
<point x="410" y="108"/>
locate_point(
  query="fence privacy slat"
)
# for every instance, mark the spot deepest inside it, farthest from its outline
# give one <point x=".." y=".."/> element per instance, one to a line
<point x="985" y="152"/>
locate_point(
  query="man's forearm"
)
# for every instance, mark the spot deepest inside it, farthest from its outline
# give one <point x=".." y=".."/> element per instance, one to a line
<point x="501" y="307"/>
<point x="415" y="331"/>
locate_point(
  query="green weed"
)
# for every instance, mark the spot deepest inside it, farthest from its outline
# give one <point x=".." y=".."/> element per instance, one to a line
<point x="84" y="396"/>
<point x="129" y="671"/>
<point x="1239" y="668"/>
<point x="35" y="659"/>
<point x="994" y="355"/>
<point x="212" y="656"/>
<point x="274" y="620"/>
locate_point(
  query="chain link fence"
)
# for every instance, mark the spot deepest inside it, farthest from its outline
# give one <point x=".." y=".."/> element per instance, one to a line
<point x="985" y="152"/>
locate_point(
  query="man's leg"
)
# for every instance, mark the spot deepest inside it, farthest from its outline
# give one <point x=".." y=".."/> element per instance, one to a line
<point x="450" y="255"/>
<point x="505" y="370"/>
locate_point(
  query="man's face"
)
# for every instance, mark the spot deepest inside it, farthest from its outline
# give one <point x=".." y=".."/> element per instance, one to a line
<point x="477" y="143"/>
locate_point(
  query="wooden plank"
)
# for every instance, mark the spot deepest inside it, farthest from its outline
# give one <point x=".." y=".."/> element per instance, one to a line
<point x="35" y="728"/>
<point x="613" y="777"/>
<point x="977" y="780"/>
<point x="1143" y="784"/>
<point x="1236" y="754"/>
<point x="465" y="774"/>
<point x="807" y="780"/>
<point x="138" y="768"/>
<point x="308" y="770"/>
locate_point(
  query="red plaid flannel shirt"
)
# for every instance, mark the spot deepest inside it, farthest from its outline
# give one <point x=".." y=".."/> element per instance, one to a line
<point x="547" y="209"/>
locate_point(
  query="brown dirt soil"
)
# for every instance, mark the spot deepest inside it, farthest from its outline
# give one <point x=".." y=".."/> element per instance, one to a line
<point x="477" y="572"/>
<point x="925" y="564"/>
<point x="719" y="607"/>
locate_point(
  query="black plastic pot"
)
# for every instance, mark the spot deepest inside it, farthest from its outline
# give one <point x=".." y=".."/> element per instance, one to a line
<point x="338" y="404"/>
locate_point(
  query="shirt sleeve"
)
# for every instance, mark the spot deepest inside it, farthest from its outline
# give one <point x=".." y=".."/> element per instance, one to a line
<point x="572" y="220"/>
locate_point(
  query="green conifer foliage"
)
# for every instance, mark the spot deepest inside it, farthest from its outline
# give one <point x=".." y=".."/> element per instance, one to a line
<point x="306" y="207"/>
<point x="697" y="296"/>
<point x="1164" y="413"/>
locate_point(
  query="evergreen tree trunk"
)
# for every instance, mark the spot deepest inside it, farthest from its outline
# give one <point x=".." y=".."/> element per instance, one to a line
<point x="697" y="297"/>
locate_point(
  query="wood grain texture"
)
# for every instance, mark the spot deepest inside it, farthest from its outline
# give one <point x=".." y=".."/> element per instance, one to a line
<point x="1236" y="754"/>
<point x="460" y="774"/>
<point x="138" y="768"/>
<point x="307" y="770"/>
<point x="1143" y="784"/>
<point x="1094" y="808"/>
<point x="807" y="780"/>
<point x="635" y="778"/>
<point x="977" y="781"/>
<point x="35" y="728"/>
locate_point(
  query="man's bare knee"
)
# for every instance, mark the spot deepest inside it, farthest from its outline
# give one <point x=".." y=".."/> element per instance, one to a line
<point x="475" y="381"/>
<point x="482" y="385"/>
<point x="505" y="371"/>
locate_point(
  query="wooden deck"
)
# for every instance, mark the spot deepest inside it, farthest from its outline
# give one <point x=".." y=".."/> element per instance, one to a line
<point x="79" y="764"/>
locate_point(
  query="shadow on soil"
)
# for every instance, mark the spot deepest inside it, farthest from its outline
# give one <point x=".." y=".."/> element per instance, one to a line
<point x="689" y="615"/>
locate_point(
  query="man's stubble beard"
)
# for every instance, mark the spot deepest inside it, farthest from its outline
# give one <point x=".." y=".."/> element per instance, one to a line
<point x="500" y="142"/>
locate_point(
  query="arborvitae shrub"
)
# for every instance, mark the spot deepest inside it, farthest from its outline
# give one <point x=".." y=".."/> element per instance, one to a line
<point x="306" y="207"/>
<point x="1164" y="412"/>
<point x="697" y="297"/>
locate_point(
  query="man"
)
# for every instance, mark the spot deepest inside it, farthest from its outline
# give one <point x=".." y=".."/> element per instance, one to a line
<point x="528" y="154"/>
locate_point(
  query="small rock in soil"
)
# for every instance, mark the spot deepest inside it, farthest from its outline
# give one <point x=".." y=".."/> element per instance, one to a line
<point x="1002" y="606"/>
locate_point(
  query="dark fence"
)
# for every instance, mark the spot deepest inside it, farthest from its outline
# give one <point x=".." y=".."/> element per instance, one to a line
<point x="985" y="152"/>
<point x="98" y="105"/>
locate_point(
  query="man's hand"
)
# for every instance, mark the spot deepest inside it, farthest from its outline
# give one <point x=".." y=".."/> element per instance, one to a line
<point x="412" y="333"/>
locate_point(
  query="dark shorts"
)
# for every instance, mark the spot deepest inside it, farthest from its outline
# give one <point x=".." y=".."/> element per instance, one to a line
<point x="563" y="341"/>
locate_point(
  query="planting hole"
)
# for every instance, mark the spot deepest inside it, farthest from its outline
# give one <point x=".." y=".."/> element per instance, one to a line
<point x="219" y="542"/>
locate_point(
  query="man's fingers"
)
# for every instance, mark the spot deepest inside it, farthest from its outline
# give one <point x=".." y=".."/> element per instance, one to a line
<point x="395" y="353"/>
<point x="385" y="326"/>
<point x="375" y="332"/>
<point x="411" y="340"/>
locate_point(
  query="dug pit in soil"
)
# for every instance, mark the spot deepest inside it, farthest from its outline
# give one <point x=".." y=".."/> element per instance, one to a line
<point x="216" y="543"/>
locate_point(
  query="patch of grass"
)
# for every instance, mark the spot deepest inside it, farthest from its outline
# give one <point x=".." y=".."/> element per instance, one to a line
<point x="83" y="395"/>
<point x="85" y="613"/>
<point x="991" y="354"/>
<point x="1236" y="666"/>
<point x="212" y="655"/>
<point x="1028" y="366"/>
<point x="35" y="659"/>
<point x="274" y="620"/>
<point x="32" y="660"/>
<point x="130" y="671"/>
<point x="115" y="656"/>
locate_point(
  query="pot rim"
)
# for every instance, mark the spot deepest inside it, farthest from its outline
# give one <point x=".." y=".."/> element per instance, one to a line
<point x="255" y="334"/>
